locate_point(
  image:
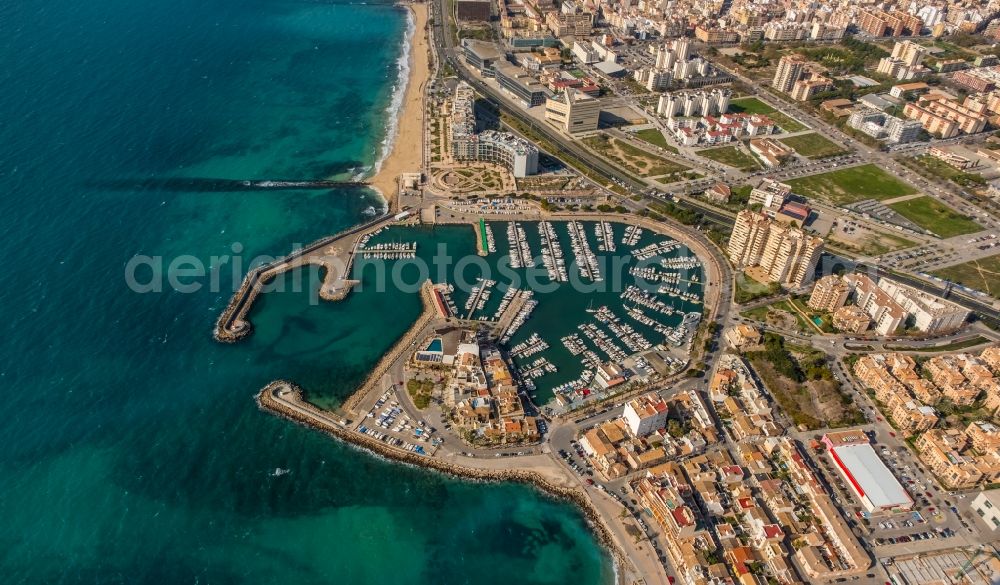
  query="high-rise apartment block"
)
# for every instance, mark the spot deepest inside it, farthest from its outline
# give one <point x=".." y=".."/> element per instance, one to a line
<point x="774" y="252"/>
<point x="890" y="304"/>
<point x="694" y="103"/>
<point x="790" y="69"/>
<point x="886" y="313"/>
<point x="945" y="117"/>
<point x="904" y="63"/>
<point x="513" y="152"/>
<point x="879" y="23"/>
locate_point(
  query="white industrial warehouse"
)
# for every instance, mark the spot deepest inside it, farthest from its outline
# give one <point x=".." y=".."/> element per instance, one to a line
<point x="870" y="480"/>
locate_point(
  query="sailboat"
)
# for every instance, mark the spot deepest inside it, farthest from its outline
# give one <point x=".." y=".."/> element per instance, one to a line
<point x="590" y="307"/>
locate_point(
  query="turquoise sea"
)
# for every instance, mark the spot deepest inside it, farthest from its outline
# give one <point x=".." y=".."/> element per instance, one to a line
<point x="133" y="452"/>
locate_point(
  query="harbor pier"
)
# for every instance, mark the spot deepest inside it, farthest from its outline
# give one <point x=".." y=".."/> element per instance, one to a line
<point x="334" y="253"/>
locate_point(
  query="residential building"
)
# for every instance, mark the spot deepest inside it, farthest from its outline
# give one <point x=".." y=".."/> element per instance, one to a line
<point x="879" y="305"/>
<point x="978" y="80"/>
<point x="880" y="23"/>
<point x="573" y="111"/>
<point x="645" y="414"/>
<point x="715" y="36"/>
<point x="570" y="21"/>
<point x="851" y="319"/>
<point x="743" y="337"/>
<point x="508" y="150"/>
<point x="941" y="450"/>
<point x="983" y="436"/>
<point x="694" y="103"/>
<point x="774" y="252"/>
<point x="899" y="131"/>
<point x="772" y="152"/>
<point x="930" y="314"/>
<point x="913" y="417"/>
<point x="904" y="63"/>
<point x="868" y="120"/>
<point x="718" y="193"/>
<point x="829" y="294"/>
<point x="719" y="130"/>
<point x="770" y="195"/>
<point x="944" y="117"/>
<point x="790" y="69"/>
<point x="805" y="89"/>
<point x="987" y="506"/>
<point x="826" y="32"/>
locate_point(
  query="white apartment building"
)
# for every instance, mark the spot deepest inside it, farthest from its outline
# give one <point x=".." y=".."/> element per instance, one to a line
<point x="987" y="507"/>
<point x="770" y="195"/>
<point x="694" y="103"/>
<point x="930" y="314"/>
<point x="886" y="313"/>
<point x="645" y="414"/>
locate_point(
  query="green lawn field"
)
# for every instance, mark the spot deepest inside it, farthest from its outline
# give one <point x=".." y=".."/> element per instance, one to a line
<point x="654" y="137"/>
<point x="813" y="145"/>
<point x="982" y="274"/>
<point x="731" y="156"/>
<point x="752" y="105"/>
<point x="749" y="105"/>
<point x="937" y="217"/>
<point x="850" y="185"/>
<point x="786" y="123"/>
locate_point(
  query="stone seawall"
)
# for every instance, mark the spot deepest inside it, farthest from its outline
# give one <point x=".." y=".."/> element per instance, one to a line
<point x="267" y="401"/>
<point x="233" y="324"/>
<point x="388" y="358"/>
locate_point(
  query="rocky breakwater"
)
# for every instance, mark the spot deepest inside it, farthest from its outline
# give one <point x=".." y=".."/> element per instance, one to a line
<point x="285" y="399"/>
<point x="412" y="335"/>
<point x="334" y="253"/>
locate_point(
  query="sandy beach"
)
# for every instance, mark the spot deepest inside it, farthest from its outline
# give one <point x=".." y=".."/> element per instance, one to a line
<point x="407" y="147"/>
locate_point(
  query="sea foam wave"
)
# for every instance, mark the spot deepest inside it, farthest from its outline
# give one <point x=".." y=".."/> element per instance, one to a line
<point x="395" y="107"/>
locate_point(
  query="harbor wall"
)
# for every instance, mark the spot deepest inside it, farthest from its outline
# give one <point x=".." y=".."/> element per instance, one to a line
<point x="233" y="324"/>
<point x="427" y="314"/>
<point x="304" y="413"/>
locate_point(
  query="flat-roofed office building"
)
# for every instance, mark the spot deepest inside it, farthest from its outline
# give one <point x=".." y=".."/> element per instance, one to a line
<point x="573" y="111"/>
<point x="520" y="84"/>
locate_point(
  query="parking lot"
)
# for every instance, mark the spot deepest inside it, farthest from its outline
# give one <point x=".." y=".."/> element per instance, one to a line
<point x="386" y="421"/>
